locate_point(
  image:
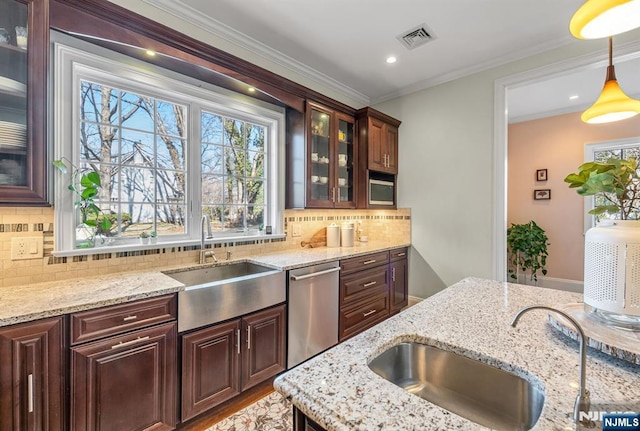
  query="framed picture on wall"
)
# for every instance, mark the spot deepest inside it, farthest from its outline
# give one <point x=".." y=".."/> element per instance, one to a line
<point x="542" y="194"/>
<point x="541" y="175"/>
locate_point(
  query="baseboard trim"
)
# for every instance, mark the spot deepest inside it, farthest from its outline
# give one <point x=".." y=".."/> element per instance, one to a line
<point x="561" y="284"/>
<point x="413" y="300"/>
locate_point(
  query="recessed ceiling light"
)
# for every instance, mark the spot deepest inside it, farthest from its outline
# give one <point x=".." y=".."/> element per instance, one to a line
<point x="391" y="59"/>
<point x="573" y="97"/>
<point x="251" y="90"/>
<point x="150" y="53"/>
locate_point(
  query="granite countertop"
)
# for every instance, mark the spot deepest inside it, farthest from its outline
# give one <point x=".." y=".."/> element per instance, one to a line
<point x="339" y="391"/>
<point x="41" y="300"/>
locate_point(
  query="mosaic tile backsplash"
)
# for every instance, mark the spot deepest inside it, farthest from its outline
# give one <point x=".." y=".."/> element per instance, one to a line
<point x="17" y="221"/>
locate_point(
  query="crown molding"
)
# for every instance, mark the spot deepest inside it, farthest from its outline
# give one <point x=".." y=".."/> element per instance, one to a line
<point x="186" y="13"/>
<point x="479" y="67"/>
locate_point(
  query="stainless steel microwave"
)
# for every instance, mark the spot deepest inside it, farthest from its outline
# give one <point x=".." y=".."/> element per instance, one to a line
<point x="381" y="192"/>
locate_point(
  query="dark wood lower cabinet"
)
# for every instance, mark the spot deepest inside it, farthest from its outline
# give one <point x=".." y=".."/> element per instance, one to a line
<point x="263" y="356"/>
<point x="302" y="423"/>
<point x="32" y="376"/>
<point x="126" y="382"/>
<point x="210" y="367"/>
<point x="221" y="361"/>
<point x="398" y="285"/>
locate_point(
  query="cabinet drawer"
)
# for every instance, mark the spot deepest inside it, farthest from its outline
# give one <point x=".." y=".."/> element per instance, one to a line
<point x="94" y="324"/>
<point x="398" y="254"/>
<point x="364" y="262"/>
<point x="363" y="285"/>
<point x="364" y="315"/>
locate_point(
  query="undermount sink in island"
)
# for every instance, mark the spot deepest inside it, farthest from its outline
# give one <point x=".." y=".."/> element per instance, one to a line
<point x="339" y="391"/>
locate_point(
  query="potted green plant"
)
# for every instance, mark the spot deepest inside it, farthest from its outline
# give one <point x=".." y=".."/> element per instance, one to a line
<point x="615" y="183"/>
<point x="85" y="185"/>
<point x="153" y="237"/>
<point x="144" y="238"/>
<point x="611" y="256"/>
<point x="527" y="250"/>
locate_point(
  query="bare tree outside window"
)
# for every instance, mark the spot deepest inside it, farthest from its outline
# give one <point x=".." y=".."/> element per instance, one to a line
<point x="233" y="172"/>
<point x="138" y="145"/>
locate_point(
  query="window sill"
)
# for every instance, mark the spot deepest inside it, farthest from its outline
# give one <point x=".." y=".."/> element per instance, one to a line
<point x="137" y="246"/>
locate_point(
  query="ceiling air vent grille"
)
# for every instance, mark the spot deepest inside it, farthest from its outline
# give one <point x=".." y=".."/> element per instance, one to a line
<point x="416" y="37"/>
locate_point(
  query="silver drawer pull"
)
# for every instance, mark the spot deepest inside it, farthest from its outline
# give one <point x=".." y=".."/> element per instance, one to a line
<point x="248" y="337"/>
<point x="401" y="254"/>
<point x="30" y="392"/>
<point x="126" y="319"/>
<point x="128" y="343"/>
<point x="367" y="262"/>
<point x="368" y="313"/>
<point x="238" y="340"/>
<point x="371" y="283"/>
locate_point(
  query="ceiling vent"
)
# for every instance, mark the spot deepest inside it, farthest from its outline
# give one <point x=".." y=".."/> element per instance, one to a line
<point x="416" y="37"/>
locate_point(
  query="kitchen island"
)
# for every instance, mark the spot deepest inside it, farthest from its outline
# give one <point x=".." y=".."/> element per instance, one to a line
<point x="338" y="390"/>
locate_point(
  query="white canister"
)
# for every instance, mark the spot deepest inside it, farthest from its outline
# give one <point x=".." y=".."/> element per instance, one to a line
<point x="333" y="235"/>
<point x="347" y="234"/>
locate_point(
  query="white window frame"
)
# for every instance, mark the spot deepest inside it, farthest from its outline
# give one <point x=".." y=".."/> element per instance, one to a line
<point x="589" y="154"/>
<point x="73" y="62"/>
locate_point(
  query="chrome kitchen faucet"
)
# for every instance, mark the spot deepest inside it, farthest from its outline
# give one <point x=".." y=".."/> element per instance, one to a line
<point x="583" y="401"/>
<point x="204" y="254"/>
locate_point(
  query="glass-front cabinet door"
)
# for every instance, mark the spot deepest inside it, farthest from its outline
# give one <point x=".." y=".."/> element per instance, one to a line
<point x="331" y="157"/>
<point x="24" y="29"/>
<point x="345" y="196"/>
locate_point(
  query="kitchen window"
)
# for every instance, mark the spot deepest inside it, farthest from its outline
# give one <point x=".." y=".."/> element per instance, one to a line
<point x="168" y="149"/>
<point x="601" y="152"/>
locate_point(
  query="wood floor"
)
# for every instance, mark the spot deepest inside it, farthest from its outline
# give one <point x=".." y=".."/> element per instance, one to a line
<point x="206" y="420"/>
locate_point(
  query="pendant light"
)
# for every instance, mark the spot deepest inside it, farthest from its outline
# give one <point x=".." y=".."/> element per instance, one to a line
<point x="603" y="18"/>
<point x="613" y="104"/>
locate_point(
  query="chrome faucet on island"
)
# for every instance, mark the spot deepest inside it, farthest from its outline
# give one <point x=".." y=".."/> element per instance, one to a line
<point x="204" y="254"/>
<point x="583" y="401"/>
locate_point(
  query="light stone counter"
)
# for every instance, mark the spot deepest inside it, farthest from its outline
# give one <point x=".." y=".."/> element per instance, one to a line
<point x="36" y="301"/>
<point x="338" y="390"/>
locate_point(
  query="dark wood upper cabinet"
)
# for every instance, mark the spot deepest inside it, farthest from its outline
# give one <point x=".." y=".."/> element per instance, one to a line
<point x="378" y="141"/>
<point x="24" y="54"/>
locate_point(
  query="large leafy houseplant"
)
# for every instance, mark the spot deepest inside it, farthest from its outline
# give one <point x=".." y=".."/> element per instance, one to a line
<point x="527" y="247"/>
<point x="85" y="185"/>
<point x="615" y="183"/>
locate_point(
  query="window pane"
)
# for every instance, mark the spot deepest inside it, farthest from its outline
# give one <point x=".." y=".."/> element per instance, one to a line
<point x="255" y="216"/>
<point x="233" y="190"/>
<point x="254" y="166"/>
<point x="170" y="152"/>
<point x="171" y="119"/>
<point x="212" y="159"/>
<point x="99" y="143"/>
<point x="98" y="103"/>
<point x="234" y="161"/>
<point x="211" y="128"/>
<point x="215" y="215"/>
<point x="234" y="217"/>
<point x="255" y="192"/>
<point x="255" y="137"/>
<point x="604" y="155"/>
<point x="137" y="112"/>
<point x="137" y="148"/>
<point x="234" y="133"/>
<point x="138" y="185"/>
<point x="171" y="187"/>
<point x="212" y="189"/>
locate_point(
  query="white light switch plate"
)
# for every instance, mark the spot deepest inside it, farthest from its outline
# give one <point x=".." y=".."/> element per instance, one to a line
<point x="295" y="229"/>
<point x="27" y="247"/>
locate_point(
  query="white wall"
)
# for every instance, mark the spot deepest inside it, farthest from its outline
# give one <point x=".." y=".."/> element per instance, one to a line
<point x="446" y="175"/>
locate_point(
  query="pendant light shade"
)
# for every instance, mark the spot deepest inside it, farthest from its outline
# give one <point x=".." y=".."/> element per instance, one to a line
<point x="613" y="104"/>
<point x="603" y="18"/>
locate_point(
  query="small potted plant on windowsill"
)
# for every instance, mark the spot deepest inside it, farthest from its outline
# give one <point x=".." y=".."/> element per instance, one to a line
<point x="85" y="185"/>
<point x="144" y="238"/>
<point x="153" y="237"/>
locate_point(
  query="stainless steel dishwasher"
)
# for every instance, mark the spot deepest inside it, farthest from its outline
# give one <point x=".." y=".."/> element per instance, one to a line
<point x="313" y="311"/>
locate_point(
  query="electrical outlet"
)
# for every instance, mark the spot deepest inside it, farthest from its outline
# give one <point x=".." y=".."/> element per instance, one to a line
<point x="27" y="247"/>
<point x="295" y="229"/>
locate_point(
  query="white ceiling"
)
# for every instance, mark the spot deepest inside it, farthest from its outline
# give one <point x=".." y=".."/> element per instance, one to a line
<point x="344" y="43"/>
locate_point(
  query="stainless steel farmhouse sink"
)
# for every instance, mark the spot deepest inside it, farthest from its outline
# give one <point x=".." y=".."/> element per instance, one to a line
<point x="216" y="293"/>
<point x="476" y="391"/>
